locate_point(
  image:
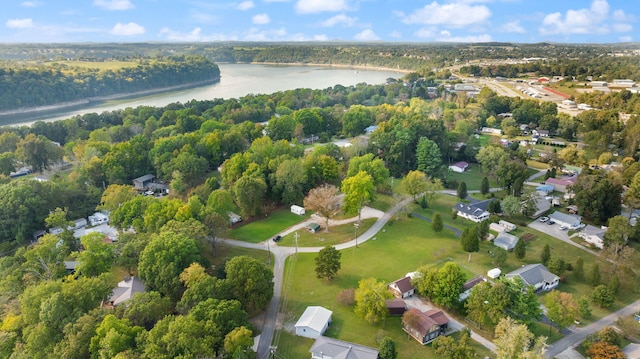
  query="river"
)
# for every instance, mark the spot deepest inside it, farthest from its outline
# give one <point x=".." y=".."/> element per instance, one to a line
<point x="236" y="80"/>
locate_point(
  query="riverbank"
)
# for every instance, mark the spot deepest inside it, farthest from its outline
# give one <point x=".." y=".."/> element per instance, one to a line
<point x="82" y="102"/>
<point x="342" y="66"/>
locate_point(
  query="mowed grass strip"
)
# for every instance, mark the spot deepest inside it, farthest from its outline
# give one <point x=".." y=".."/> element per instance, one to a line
<point x="337" y="234"/>
<point x="266" y="228"/>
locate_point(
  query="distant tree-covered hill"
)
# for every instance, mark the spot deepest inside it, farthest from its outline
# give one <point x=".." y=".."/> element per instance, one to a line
<point x="28" y="85"/>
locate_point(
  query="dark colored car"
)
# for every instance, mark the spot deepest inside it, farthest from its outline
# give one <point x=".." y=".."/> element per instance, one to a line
<point x="551" y="222"/>
<point x="277" y="238"/>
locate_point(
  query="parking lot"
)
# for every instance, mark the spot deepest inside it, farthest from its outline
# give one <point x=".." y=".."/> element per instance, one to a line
<point x="550" y="229"/>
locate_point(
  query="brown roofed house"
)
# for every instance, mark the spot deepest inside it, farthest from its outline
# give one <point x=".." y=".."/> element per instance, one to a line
<point x="402" y="288"/>
<point x="425" y="327"/>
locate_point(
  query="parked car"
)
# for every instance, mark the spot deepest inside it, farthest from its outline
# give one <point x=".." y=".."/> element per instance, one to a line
<point x="277" y="238"/>
<point x="544" y="219"/>
<point x="563" y="227"/>
<point x="550" y="222"/>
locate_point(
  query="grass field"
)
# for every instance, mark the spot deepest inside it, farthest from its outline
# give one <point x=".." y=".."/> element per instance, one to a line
<point x="100" y="65"/>
<point x="472" y="177"/>
<point x="337" y="234"/>
<point x="404" y="246"/>
<point x="266" y="228"/>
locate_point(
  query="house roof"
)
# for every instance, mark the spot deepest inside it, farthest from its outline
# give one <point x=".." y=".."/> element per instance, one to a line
<point x="533" y="274"/>
<point x="505" y="240"/>
<point x="395" y="303"/>
<point x="144" y="178"/>
<point x="632" y="350"/>
<point x="314" y="317"/>
<point x="404" y="284"/>
<point x="564" y="217"/>
<point x="560" y="181"/>
<point x="313" y="225"/>
<point x="545" y="187"/>
<point x="590" y="230"/>
<point x="338" y="349"/>
<point x="126" y="289"/>
<point x="473" y="282"/>
<point x="461" y="164"/>
<point x="473" y="209"/>
<point x="426" y="320"/>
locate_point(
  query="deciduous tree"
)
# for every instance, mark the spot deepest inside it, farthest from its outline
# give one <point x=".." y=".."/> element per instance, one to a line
<point x="514" y="340"/>
<point x="371" y="297"/>
<point x="562" y="309"/>
<point x="387" y="349"/>
<point x="328" y="262"/>
<point x="250" y="281"/>
<point x="358" y="190"/>
<point x="603" y="296"/>
<point x="415" y="183"/>
<point x="325" y="201"/>
<point x="429" y="157"/>
<point x="97" y="256"/>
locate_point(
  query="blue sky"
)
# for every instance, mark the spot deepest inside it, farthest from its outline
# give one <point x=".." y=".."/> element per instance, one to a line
<point x="568" y="21"/>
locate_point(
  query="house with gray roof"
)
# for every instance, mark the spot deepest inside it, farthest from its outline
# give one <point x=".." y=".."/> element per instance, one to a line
<point x="505" y="241"/>
<point x="536" y="275"/>
<point x="313" y="322"/>
<point x="572" y="221"/>
<point x="476" y="212"/>
<point x="329" y="348"/>
<point x="125" y="290"/>
<point x="593" y="235"/>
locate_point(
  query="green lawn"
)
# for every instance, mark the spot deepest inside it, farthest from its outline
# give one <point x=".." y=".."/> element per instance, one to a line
<point x="403" y="246"/>
<point x="225" y="252"/>
<point x="337" y="234"/>
<point x="472" y="177"/>
<point x="260" y="230"/>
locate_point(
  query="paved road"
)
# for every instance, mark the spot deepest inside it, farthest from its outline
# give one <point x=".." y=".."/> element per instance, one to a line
<point x="579" y="334"/>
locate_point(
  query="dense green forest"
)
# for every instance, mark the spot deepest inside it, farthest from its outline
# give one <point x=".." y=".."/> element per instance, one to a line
<point x="27" y="85"/>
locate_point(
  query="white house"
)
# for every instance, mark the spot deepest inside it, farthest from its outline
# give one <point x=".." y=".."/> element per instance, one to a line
<point x="402" y="288"/>
<point x="593" y="235"/>
<point x="329" y="348"/>
<point x="572" y="221"/>
<point x="536" y="275"/>
<point x="459" y="167"/>
<point x="495" y="131"/>
<point x="476" y="212"/>
<point x="98" y="218"/>
<point x="313" y="322"/>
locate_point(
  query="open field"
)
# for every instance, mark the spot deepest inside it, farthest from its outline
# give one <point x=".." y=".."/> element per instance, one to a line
<point x="100" y="65"/>
<point x="260" y="230"/>
<point x="472" y="177"/>
<point x="337" y="234"/>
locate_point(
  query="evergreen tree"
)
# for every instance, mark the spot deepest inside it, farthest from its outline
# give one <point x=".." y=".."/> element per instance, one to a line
<point x="469" y="240"/>
<point x="520" y="250"/>
<point x="594" y="275"/>
<point x="462" y="190"/>
<point x="484" y="186"/>
<point x="437" y="223"/>
<point x="423" y="203"/>
<point x="545" y="255"/>
<point x="387" y="349"/>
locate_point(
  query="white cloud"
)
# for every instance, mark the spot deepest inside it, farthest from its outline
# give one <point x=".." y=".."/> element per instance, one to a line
<point x="626" y="39"/>
<point x="513" y="26"/>
<point x="395" y="34"/>
<point x="268" y="1"/>
<point x="130" y="29"/>
<point x="245" y="5"/>
<point x="622" y="27"/>
<point x="453" y="15"/>
<point x="468" y="38"/>
<point x="582" y="21"/>
<point x="340" y="19"/>
<point x="203" y="17"/>
<point x="314" y="6"/>
<point x="425" y="33"/>
<point x="620" y="16"/>
<point x="261" y="19"/>
<point x="114" y="4"/>
<point x="19" y="23"/>
<point x="267" y="35"/>
<point x="366" y="35"/>
<point x="194" y="35"/>
<point x="31" y="3"/>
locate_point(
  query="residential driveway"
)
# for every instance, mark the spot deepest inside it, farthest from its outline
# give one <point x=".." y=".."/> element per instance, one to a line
<point x="555" y="231"/>
<point x="550" y="229"/>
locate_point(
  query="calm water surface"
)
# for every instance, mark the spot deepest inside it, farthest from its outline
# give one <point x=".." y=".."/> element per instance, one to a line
<point x="236" y="80"/>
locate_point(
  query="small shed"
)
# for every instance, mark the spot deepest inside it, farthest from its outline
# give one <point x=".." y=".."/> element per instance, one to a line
<point x="396" y="306"/>
<point x="313" y="227"/>
<point x="313" y="322"/>
<point x="544" y="189"/>
<point x="494" y="273"/>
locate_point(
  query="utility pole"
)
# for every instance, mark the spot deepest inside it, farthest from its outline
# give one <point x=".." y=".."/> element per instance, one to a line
<point x="296" y="235"/>
<point x="268" y="253"/>
<point x="355" y="232"/>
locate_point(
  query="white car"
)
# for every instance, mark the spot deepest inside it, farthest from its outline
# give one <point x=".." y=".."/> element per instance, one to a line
<point x="562" y="228"/>
<point x="544" y="219"/>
